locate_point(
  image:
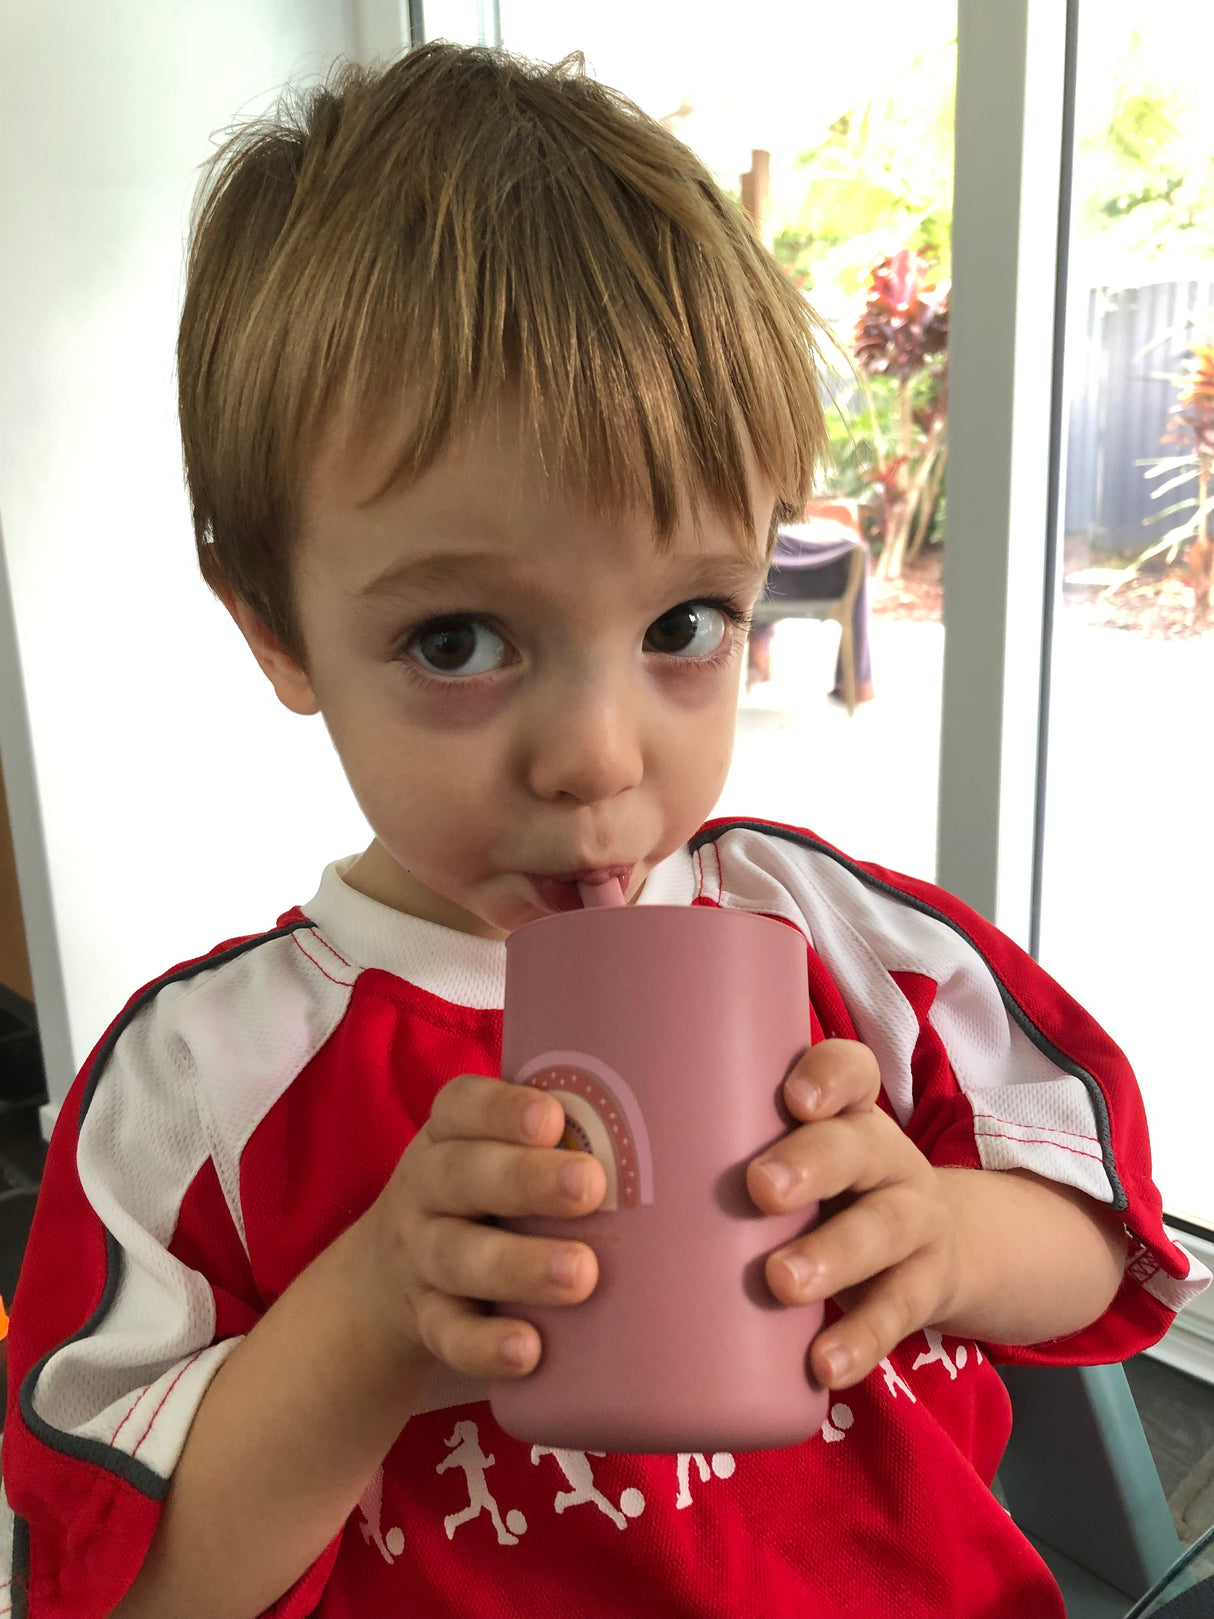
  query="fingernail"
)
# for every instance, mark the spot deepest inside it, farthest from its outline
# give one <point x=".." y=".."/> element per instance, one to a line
<point x="516" y="1351"/>
<point x="801" y="1271"/>
<point x="804" y="1093"/>
<point x="838" y="1360"/>
<point x="564" y="1266"/>
<point x="779" y="1176"/>
<point x="533" y="1119"/>
<point x="573" y="1181"/>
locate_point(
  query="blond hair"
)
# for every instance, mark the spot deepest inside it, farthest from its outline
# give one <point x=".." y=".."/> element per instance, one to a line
<point x="412" y="242"/>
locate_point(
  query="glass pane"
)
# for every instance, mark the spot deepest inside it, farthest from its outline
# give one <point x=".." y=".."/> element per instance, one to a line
<point x="842" y="169"/>
<point x="1128" y="881"/>
<point x="1190" y="1586"/>
<point x="466" y="22"/>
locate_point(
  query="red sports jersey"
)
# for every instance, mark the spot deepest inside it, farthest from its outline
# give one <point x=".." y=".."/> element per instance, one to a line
<point x="248" y="1106"/>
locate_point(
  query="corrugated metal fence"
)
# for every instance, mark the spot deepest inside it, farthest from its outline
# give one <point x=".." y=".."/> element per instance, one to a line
<point x="1120" y="403"/>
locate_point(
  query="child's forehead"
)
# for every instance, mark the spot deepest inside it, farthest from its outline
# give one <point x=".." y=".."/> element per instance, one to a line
<point x="501" y="473"/>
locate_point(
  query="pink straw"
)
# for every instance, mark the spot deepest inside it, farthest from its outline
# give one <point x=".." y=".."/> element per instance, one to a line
<point x="596" y="895"/>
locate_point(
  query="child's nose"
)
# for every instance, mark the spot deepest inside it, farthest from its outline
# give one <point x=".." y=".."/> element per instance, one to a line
<point x="586" y="744"/>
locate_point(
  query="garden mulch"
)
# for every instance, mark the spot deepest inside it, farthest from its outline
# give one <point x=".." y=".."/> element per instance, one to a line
<point x="918" y="595"/>
<point x="1161" y="605"/>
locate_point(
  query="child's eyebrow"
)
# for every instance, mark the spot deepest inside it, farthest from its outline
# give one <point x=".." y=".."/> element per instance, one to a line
<point x="434" y="571"/>
<point x="724" y="571"/>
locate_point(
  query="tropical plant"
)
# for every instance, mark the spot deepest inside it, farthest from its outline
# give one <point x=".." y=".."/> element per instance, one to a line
<point x="1190" y="428"/>
<point x="902" y="336"/>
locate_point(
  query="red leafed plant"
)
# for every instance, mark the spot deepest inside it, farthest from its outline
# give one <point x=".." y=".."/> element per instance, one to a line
<point x="903" y="334"/>
<point x="1192" y="426"/>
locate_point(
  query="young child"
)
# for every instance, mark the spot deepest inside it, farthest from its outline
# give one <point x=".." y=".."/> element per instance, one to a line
<point x="491" y="404"/>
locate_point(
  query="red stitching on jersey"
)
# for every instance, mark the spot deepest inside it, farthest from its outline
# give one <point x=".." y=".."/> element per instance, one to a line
<point x="129" y="1415"/>
<point x="344" y="983"/>
<point x="321" y="938"/>
<point x="720" y="871"/>
<point x="1036" y="1141"/>
<point x="1016" y="1125"/>
<point x="160" y="1407"/>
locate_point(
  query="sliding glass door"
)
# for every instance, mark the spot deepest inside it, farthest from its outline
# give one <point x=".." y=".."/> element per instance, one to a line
<point x="1127" y="878"/>
<point x="1071" y="519"/>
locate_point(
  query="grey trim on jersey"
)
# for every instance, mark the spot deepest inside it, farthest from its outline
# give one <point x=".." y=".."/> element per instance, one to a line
<point x="144" y="1478"/>
<point x="19" y="1574"/>
<point x="1100" y="1108"/>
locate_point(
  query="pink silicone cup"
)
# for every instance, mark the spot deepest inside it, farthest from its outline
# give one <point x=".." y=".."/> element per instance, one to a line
<point x="665" y="1034"/>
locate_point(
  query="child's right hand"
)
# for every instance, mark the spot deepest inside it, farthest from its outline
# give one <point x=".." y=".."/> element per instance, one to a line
<point x="488" y="1149"/>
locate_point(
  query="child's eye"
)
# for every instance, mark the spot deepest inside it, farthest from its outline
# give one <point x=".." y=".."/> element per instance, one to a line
<point x="457" y="646"/>
<point x="690" y="630"/>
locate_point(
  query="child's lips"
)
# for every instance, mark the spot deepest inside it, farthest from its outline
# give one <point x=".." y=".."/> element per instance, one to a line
<point x="560" y="893"/>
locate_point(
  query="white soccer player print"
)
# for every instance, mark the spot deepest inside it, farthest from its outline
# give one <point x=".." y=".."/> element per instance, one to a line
<point x="472" y="1460"/>
<point x="389" y="1544"/>
<point x="937" y="1352"/>
<point x="837" y="1423"/>
<point x="721" y="1466"/>
<point x="575" y="1464"/>
<point x="894" y="1383"/>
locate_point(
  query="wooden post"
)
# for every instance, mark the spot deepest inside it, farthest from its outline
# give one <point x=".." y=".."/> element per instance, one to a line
<point x="755" y="186"/>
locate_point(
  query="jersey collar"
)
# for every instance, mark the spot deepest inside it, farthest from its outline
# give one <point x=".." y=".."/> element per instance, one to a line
<point x="455" y="966"/>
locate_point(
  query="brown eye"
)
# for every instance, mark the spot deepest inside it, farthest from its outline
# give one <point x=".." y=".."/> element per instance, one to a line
<point x="690" y="630"/>
<point x="458" y="646"/>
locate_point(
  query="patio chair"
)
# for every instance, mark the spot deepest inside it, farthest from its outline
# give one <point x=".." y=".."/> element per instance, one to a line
<point x="1079" y="1480"/>
<point x="820" y="570"/>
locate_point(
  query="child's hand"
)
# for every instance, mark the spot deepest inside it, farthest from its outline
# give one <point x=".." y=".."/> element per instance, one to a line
<point x="887" y="1249"/>
<point x="487" y="1149"/>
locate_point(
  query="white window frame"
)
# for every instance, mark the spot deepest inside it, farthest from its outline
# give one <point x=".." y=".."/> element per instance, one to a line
<point x="1009" y="244"/>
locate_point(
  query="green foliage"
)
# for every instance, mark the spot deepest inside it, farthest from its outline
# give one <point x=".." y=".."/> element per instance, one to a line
<point x="862" y="420"/>
<point x="879" y="179"/>
<point x="1118" y="207"/>
<point x="1144" y="170"/>
<point x="1141" y="129"/>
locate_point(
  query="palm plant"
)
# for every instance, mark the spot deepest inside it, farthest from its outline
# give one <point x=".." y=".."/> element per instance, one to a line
<point x="1191" y="428"/>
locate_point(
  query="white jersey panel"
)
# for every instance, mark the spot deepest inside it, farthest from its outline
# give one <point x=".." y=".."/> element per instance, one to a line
<point x="189" y="1077"/>
<point x="251" y="1027"/>
<point x="140" y="1146"/>
<point x="759" y="873"/>
<point x="1028" y="1113"/>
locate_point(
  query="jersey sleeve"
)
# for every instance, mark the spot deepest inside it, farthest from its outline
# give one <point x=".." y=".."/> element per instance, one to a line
<point x="985" y="1061"/>
<point x="135" y="1288"/>
<point x="1013" y="1073"/>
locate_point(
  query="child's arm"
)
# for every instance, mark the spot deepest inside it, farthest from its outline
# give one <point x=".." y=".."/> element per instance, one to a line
<point x="305" y="1408"/>
<point x="1004" y="1256"/>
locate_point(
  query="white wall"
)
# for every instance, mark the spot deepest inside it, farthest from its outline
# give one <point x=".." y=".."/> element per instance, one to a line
<point x="162" y="801"/>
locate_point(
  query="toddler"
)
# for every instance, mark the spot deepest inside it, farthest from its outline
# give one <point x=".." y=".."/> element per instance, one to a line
<point x="491" y="405"/>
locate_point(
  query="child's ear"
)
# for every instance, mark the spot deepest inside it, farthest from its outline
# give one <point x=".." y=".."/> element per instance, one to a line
<point x="288" y="678"/>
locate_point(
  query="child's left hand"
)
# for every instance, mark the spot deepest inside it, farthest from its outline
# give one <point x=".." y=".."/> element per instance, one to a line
<point x="887" y="1249"/>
